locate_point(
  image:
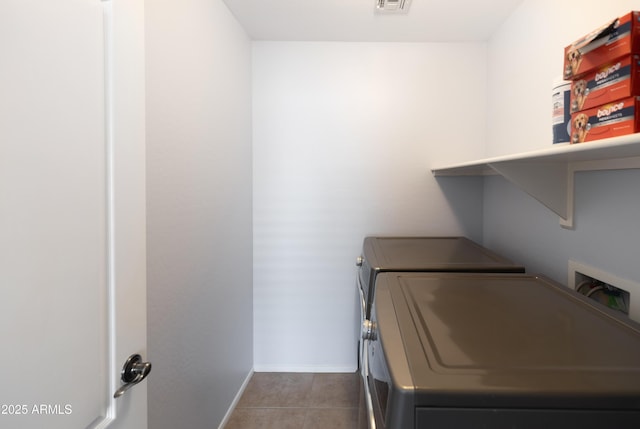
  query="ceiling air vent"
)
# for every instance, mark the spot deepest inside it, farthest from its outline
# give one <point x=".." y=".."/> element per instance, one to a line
<point x="393" y="6"/>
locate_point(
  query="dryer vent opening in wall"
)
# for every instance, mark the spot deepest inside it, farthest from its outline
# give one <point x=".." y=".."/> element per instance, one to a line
<point x="605" y="288"/>
<point x="393" y="6"/>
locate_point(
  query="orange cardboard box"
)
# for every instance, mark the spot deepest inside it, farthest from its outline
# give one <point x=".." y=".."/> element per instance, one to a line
<point x="611" y="82"/>
<point x="609" y="120"/>
<point x="613" y="40"/>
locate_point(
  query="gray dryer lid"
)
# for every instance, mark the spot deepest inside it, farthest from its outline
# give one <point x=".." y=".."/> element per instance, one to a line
<point x="433" y="254"/>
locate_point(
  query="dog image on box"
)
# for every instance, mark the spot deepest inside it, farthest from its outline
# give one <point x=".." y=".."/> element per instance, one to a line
<point x="580" y="93"/>
<point x="580" y="128"/>
<point x="574" y="59"/>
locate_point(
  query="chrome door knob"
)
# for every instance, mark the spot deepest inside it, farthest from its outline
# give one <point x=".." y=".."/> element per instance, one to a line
<point x="133" y="372"/>
<point x="369" y="330"/>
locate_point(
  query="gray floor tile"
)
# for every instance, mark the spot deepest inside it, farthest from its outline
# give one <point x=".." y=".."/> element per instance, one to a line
<point x="335" y="390"/>
<point x="267" y="418"/>
<point x="298" y="400"/>
<point x="277" y="390"/>
<point x="333" y="418"/>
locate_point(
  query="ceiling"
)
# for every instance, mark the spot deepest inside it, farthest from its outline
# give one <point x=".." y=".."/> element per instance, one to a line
<point x="357" y="21"/>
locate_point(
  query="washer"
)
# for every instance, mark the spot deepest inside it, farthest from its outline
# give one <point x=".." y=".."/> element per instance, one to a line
<point x="382" y="254"/>
<point x="419" y="254"/>
<point x="497" y="351"/>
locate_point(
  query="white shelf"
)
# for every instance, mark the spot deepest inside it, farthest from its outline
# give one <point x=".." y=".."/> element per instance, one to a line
<point x="548" y="174"/>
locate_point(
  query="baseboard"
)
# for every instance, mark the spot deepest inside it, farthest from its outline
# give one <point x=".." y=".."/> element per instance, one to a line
<point x="310" y="368"/>
<point x="233" y="405"/>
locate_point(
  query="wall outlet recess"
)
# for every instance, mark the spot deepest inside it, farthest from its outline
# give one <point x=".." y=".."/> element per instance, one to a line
<point x="605" y="288"/>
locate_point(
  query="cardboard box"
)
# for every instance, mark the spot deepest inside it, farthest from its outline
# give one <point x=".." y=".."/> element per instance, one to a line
<point x="609" y="120"/>
<point x="614" y="81"/>
<point x="613" y="40"/>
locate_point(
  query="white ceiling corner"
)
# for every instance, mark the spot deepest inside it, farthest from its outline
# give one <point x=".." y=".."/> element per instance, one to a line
<point x="357" y="20"/>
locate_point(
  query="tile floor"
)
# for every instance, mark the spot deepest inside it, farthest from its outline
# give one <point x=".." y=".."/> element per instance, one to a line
<point x="298" y="401"/>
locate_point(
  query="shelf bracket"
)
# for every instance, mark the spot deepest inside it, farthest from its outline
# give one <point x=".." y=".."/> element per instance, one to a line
<point x="548" y="175"/>
<point x="550" y="183"/>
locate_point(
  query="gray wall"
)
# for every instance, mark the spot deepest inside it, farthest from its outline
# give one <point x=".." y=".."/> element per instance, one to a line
<point x="524" y="57"/>
<point x="606" y="233"/>
<point x="199" y="211"/>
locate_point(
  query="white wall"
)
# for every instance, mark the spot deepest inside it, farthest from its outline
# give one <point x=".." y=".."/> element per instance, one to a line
<point x="524" y="56"/>
<point x="199" y="211"/>
<point x="344" y="135"/>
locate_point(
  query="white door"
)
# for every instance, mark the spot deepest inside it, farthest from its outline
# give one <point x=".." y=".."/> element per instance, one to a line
<point x="72" y="219"/>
